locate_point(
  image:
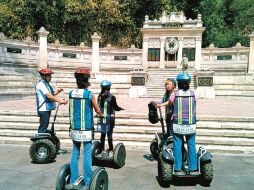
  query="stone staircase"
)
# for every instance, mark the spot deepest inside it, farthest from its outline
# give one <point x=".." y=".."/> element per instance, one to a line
<point x="66" y="80"/>
<point x="236" y="86"/>
<point x="217" y="134"/>
<point x="17" y="80"/>
<point x="156" y="77"/>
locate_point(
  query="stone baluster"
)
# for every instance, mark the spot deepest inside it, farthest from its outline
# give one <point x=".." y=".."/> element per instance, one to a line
<point x="95" y="53"/>
<point x="43" y="48"/>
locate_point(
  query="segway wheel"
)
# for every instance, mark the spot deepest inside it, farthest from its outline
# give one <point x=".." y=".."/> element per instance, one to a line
<point x="42" y="151"/>
<point x="63" y="177"/>
<point x="164" y="172"/>
<point x="119" y="155"/>
<point x="207" y="173"/>
<point x="95" y="150"/>
<point x="154" y="149"/>
<point x="99" y="180"/>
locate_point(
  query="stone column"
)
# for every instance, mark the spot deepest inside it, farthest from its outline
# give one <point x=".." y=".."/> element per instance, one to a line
<point x="251" y="54"/>
<point x="180" y="52"/>
<point x="43" y="48"/>
<point x="95" y="53"/>
<point x="198" y="57"/>
<point x="144" y="52"/>
<point x="162" y="52"/>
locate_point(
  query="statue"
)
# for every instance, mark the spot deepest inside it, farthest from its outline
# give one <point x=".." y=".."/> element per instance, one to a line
<point x="184" y="63"/>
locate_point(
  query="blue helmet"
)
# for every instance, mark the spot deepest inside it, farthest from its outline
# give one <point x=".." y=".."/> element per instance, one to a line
<point x="183" y="76"/>
<point x="105" y="83"/>
<point x="173" y="80"/>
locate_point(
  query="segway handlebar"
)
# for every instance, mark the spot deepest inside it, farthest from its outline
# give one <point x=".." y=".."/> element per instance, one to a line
<point x="161" y="120"/>
<point x="54" y="120"/>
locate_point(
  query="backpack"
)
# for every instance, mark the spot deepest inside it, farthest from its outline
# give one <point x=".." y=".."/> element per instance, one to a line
<point x="153" y="114"/>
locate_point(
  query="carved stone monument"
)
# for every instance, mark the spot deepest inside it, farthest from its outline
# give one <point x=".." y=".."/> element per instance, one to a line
<point x="205" y="89"/>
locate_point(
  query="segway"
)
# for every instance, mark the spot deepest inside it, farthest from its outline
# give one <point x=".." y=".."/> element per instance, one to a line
<point x="45" y="145"/>
<point x="119" y="152"/>
<point x="99" y="180"/>
<point x="166" y="166"/>
<point x="161" y="138"/>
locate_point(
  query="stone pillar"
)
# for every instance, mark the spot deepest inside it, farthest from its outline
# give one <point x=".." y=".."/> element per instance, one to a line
<point x="198" y="57"/>
<point x="145" y="52"/>
<point x="95" y="53"/>
<point x="162" y="52"/>
<point x="180" y="52"/>
<point x="43" y="49"/>
<point x="251" y="54"/>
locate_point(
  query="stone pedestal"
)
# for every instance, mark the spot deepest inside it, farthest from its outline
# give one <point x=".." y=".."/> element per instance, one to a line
<point x="205" y="89"/>
<point x="43" y="49"/>
<point x="138" y="81"/>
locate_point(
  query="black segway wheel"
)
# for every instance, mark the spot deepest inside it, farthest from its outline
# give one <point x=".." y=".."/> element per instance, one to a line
<point x="206" y="173"/>
<point x="119" y="155"/>
<point x="42" y="151"/>
<point x="154" y="149"/>
<point x="164" y="172"/>
<point x="99" y="180"/>
<point x="63" y="177"/>
<point x="95" y="149"/>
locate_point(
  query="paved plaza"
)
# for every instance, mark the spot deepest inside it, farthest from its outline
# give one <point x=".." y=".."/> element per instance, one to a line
<point x="139" y="173"/>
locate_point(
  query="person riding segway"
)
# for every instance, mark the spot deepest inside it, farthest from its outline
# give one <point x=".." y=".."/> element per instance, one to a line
<point x="155" y="147"/>
<point x="82" y="102"/>
<point x="45" y="144"/>
<point x="171" y="163"/>
<point x="108" y="106"/>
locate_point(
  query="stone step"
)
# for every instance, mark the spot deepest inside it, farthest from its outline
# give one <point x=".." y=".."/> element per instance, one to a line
<point x="234" y="93"/>
<point x="67" y="143"/>
<point x="228" y="141"/>
<point x="121" y="129"/>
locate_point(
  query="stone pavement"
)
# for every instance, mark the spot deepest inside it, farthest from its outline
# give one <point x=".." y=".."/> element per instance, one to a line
<point x="205" y="107"/>
<point x="231" y="172"/>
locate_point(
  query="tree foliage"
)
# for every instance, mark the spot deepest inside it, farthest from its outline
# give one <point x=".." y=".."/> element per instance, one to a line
<point x="119" y="21"/>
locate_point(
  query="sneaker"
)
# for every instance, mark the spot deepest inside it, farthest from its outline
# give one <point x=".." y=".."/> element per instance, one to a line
<point x="179" y="172"/>
<point x="195" y="172"/>
<point x="69" y="186"/>
<point x="105" y="153"/>
<point x="111" y="154"/>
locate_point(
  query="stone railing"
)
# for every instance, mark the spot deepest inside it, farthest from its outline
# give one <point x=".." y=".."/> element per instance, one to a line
<point x="234" y="59"/>
<point x="120" y="59"/>
<point x="18" y="51"/>
<point x="61" y="56"/>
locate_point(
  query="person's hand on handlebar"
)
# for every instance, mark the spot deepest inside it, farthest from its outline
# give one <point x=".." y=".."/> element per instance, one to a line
<point x="63" y="101"/>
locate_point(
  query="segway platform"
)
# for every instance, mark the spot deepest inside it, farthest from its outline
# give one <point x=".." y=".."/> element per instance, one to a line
<point x="118" y="158"/>
<point x="99" y="179"/>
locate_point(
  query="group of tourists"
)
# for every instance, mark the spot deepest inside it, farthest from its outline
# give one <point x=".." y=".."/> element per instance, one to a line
<point x="82" y="102"/>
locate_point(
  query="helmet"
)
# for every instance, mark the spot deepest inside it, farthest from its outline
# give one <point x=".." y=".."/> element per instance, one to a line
<point x="183" y="76"/>
<point x="105" y="83"/>
<point x="173" y="80"/>
<point x="46" y="71"/>
<point x="82" y="72"/>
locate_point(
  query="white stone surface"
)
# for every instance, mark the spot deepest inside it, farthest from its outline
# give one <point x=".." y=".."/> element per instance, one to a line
<point x="137" y="91"/>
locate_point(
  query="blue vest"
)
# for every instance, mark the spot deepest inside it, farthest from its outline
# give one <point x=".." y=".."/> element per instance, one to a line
<point x="80" y="109"/>
<point x="50" y="105"/>
<point x="184" y="107"/>
<point x="105" y="110"/>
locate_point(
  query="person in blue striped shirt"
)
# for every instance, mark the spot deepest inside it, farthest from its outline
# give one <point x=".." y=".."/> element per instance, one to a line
<point x="82" y="102"/>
